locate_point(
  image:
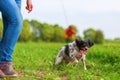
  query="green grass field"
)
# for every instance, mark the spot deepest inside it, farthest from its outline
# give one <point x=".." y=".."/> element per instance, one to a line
<point x="35" y="61"/>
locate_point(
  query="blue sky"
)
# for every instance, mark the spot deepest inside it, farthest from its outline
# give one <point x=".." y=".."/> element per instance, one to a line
<point x="97" y="14"/>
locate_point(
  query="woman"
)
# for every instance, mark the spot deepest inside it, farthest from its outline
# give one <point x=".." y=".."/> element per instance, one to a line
<point x="12" y="24"/>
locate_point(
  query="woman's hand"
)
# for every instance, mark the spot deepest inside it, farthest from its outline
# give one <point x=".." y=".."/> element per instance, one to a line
<point x="29" y="6"/>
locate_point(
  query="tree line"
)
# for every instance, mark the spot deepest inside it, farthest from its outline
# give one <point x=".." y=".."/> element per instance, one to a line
<point x="35" y="31"/>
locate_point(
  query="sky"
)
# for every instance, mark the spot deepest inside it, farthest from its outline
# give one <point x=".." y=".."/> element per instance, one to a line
<point x="97" y="14"/>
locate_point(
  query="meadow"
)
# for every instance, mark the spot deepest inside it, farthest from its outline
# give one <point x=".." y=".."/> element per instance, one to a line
<point x="35" y="61"/>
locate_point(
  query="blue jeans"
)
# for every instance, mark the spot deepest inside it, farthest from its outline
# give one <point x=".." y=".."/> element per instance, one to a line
<point x="12" y="25"/>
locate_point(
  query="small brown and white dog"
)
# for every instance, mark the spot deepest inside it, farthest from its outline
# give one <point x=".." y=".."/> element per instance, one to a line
<point x="73" y="52"/>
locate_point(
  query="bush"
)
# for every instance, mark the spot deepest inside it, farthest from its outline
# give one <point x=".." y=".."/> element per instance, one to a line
<point x="58" y="34"/>
<point x="47" y="32"/>
<point x="99" y="37"/>
<point x="26" y="33"/>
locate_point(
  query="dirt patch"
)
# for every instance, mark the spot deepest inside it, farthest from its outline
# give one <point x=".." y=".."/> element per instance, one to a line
<point x="64" y="77"/>
<point x="31" y="74"/>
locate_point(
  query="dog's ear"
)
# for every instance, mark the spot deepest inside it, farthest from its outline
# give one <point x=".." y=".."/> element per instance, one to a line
<point x="76" y="41"/>
<point x="79" y="42"/>
<point x="91" y="43"/>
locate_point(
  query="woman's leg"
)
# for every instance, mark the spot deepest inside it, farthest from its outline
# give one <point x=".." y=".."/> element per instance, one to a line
<point x="12" y="25"/>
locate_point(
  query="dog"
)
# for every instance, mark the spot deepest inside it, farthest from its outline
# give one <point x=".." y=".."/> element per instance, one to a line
<point x="73" y="52"/>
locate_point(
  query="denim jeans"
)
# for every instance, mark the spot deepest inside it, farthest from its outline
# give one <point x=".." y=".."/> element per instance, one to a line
<point x="12" y="25"/>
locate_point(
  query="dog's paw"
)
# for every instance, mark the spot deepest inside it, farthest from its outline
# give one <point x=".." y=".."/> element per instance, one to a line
<point x="85" y="68"/>
<point x="75" y="63"/>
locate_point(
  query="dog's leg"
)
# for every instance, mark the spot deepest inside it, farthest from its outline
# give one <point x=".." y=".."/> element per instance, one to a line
<point x="58" y="60"/>
<point x="75" y="61"/>
<point x="83" y="62"/>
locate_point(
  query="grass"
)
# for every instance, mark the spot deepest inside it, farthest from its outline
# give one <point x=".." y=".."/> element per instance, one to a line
<point x="35" y="61"/>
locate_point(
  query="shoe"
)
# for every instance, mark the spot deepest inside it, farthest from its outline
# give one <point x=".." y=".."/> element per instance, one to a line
<point x="1" y="75"/>
<point x="7" y="70"/>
